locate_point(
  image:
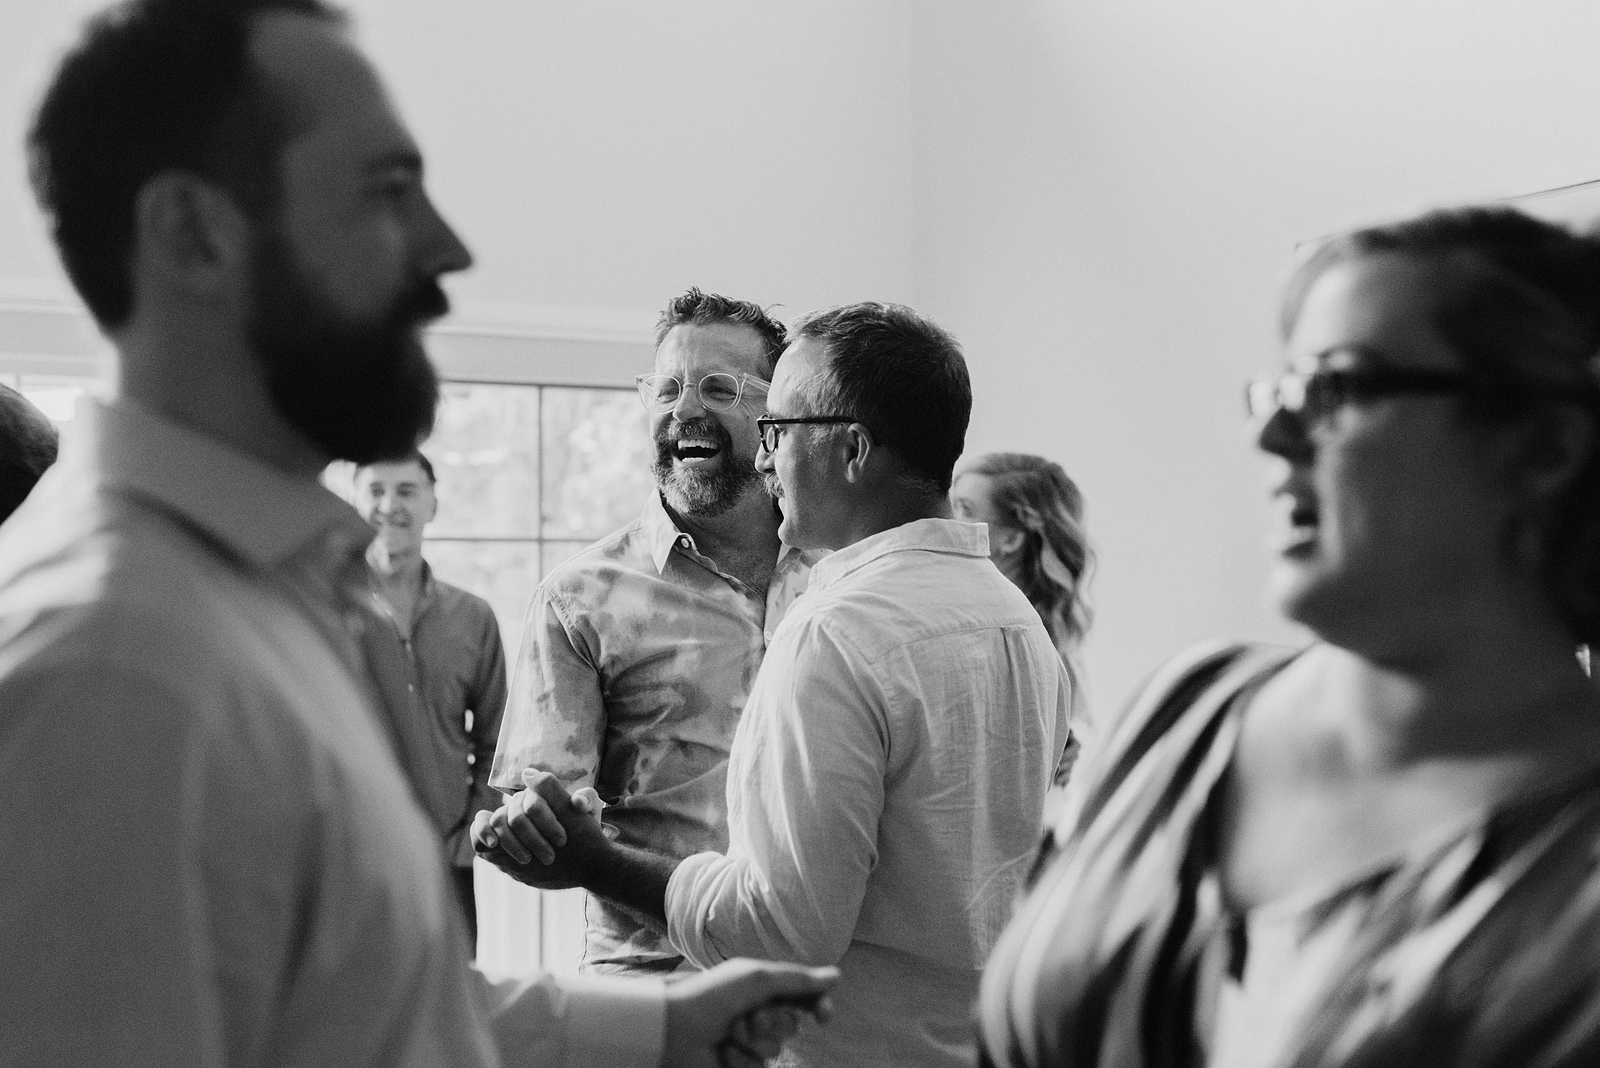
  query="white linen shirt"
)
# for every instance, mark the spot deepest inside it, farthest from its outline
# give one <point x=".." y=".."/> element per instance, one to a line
<point x="208" y="853"/>
<point x="885" y="792"/>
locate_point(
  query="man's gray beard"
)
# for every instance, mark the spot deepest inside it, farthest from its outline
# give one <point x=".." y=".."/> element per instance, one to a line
<point x="710" y="495"/>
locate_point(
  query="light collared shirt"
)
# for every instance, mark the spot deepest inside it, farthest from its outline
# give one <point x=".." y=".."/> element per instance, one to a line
<point x="635" y="665"/>
<point x="450" y="663"/>
<point x="208" y="855"/>
<point x="885" y="792"/>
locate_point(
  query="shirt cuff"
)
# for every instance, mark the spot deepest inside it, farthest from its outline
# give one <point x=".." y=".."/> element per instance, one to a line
<point x="690" y="893"/>
<point x="617" y="1022"/>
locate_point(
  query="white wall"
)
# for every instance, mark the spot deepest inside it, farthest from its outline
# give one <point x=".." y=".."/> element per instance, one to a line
<point x="1098" y="196"/>
<point x="1108" y="193"/>
<point x="601" y="157"/>
<point x="607" y="155"/>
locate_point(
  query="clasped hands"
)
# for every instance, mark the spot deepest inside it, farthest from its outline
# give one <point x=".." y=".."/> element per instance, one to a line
<point x="542" y="835"/>
<point x="736" y="1015"/>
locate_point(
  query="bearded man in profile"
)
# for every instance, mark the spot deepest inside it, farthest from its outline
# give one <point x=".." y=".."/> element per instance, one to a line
<point x="208" y="853"/>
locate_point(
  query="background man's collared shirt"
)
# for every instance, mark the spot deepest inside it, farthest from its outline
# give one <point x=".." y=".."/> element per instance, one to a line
<point x="451" y="663"/>
<point x="885" y="792"/>
<point x="635" y="665"/>
<point x="208" y="853"/>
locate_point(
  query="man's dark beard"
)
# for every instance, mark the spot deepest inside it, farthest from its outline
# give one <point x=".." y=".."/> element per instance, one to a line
<point x="702" y="496"/>
<point x="360" y="389"/>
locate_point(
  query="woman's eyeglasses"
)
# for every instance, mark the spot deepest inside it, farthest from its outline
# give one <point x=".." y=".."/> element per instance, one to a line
<point x="1317" y="395"/>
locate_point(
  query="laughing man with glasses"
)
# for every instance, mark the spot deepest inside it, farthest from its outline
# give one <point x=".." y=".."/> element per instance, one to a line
<point x="887" y="781"/>
<point x="640" y="651"/>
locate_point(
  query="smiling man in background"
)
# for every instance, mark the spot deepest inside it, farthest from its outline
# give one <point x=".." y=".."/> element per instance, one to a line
<point x="445" y="691"/>
<point x="639" y="652"/>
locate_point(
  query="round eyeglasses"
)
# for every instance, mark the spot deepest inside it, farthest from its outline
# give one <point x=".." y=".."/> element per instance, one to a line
<point x="772" y="429"/>
<point x="718" y="391"/>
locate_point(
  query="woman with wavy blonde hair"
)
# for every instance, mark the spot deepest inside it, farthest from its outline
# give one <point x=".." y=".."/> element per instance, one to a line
<point x="1034" y="512"/>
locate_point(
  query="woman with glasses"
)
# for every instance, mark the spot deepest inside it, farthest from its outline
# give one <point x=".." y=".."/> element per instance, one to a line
<point x="1381" y="849"/>
<point x="1034" y="512"/>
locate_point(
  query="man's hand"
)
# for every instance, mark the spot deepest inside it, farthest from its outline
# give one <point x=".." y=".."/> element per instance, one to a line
<point x="542" y="836"/>
<point x="740" y="1013"/>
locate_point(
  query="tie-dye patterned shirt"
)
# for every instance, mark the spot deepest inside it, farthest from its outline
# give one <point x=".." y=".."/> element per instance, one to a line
<point x="635" y="665"/>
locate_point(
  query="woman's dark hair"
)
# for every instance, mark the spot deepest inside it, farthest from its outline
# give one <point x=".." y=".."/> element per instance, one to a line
<point x="1038" y="498"/>
<point x="153" y="85"/>
<point x="1518" y="300"/>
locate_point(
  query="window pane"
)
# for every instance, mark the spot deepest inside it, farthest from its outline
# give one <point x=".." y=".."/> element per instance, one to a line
<point x="485" y="451"/>
<point x="502" y="573"/>
<point x="597" y="461"/>
<point x="56" y="395"/>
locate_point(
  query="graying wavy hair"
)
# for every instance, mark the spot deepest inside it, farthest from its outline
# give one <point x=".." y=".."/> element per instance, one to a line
<point x="1037" y="497"/>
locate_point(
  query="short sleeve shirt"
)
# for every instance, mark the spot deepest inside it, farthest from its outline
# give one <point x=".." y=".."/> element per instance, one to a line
<point x="635" y="665"/>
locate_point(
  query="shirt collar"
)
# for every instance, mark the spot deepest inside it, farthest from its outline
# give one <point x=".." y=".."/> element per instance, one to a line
<point x="662" y="534"/>
<point x="928" y="535"/>
<point x="257" y="512"/>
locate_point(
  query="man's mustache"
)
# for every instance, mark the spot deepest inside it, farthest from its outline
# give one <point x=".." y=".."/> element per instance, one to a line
<point x="422" y="303"/>
<point x="702" y="427"/>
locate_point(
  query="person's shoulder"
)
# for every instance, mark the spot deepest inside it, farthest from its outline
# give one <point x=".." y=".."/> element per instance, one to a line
<point x="460" y="601"/>
<point x="1201" y="675"/>
<point x="916" y="595"/>
<point x="98" y="555"/>
<point x="114" y="582"/>
<point x="627" y="550"/>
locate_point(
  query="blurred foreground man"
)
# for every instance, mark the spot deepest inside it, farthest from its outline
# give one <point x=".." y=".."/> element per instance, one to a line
<point x="443" y="673"/>
<point x="208" y="854"/>
<point x="640" y="651"/>
<point x="887" y="781"/>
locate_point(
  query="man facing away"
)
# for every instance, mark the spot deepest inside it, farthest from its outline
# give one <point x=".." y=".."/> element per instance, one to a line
<point x="639" y="653"/>
<point x="446" y="690"/>
<point x="889" y="772"/>
<point x="209" y="855"/>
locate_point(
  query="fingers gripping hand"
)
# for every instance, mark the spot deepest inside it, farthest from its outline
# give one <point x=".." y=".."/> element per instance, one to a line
<point x="739" y="1014"/>
<point x="758" y="1036"/>
<point x="542" y="836"/>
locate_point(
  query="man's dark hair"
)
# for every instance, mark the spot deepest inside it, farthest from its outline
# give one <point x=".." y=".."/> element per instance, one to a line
<point x="413" y="457"/>
<point x="901" y="376"/>
<point x="27" y="448"/>
<point x="705" y="308"/>
<point x="153" y="85"/>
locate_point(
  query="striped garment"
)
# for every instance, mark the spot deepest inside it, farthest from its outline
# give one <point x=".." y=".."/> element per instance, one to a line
<point x="1479" y="948"/>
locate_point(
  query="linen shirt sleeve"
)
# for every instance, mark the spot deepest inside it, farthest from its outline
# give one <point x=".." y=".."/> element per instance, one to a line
<point x="555" y="716"/>
<point x="576" y="1021"/>
<point x="805" y="793"/>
